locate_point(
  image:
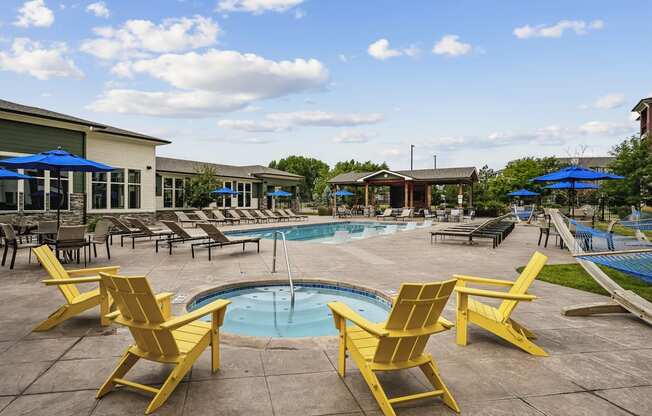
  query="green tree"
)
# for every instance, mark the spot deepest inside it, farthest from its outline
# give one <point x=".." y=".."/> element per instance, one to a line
<point x="634" y="162"/>
<point x="518" y="173"/>
<point x="344" y="167"/>
<point x="201" y="185"/>
<point x="310" y="168"/>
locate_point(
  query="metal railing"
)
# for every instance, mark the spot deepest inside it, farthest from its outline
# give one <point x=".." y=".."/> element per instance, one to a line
<point x="287" y="262"/>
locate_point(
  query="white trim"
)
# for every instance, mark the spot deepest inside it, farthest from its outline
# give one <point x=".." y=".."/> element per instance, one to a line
<point x="407" y="178"/>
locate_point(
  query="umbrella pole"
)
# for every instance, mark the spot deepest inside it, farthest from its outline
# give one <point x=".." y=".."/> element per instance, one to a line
<point x="59" y="198"/>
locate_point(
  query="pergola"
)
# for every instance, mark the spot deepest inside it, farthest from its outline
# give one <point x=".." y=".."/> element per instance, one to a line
<point x="409" y="188"/>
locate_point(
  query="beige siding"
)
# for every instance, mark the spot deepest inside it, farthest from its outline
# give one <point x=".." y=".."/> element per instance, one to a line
<point x="125" y="153"/>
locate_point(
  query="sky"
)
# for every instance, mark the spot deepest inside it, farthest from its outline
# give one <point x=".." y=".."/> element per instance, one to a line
<point x="249" y="81"/>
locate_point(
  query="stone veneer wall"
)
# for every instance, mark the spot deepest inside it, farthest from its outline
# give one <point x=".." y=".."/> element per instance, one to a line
<point x="148" y="218"/>
<point x="74" y="216"/>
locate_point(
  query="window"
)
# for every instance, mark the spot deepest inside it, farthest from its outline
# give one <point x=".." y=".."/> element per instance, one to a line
<point x="134" y="189"/>
<point x="59" y="195"/>
<point x="174" y="192"/>
<point x="9" y="195"/>
<point x="117" y="189"/>
<point x="168" y="193"/>
<point x="34" y="191"/>
<point x="244" y="194"/>
<point x="98" y="190"/>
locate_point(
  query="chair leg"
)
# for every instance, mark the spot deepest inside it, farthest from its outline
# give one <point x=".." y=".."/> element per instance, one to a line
<point x="377" y="391"/>
<point x="13" y="257"/>
<point x="4" y="255"/>
<point x="126" y="362"/>
<point x="461" y="327"/>
<point x="432" y="374"/>
<point x="55" y="318"/>
<point x="95" y="250"/>
<point x="108" y="250"/>
<point x="175" y="377"/>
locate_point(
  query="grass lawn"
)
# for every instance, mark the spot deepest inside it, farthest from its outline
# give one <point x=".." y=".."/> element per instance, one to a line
<point x="619" y="229"/>
<point x="572" y="275"/>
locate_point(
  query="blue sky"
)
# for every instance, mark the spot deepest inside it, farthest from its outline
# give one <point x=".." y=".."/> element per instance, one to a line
<point x="248" y="81"/>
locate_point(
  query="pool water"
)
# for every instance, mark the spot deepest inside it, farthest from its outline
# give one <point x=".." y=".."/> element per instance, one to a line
<point x="315" y="232"/>
<point x="266" y="310"/>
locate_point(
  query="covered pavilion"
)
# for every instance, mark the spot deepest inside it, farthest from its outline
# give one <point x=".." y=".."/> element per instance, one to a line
<point x="409" y="188"/>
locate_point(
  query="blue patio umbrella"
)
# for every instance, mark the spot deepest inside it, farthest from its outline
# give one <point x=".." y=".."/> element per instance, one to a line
<point x="523" y="193"/>
<point x="10" y="175"/>
<point x="224" y="191"/>
<point x="344" y="193"/>
<point x="56" y="161"/>
<point x="572" y="174"/>
<point x="568" y="185"/>
<point x="279" y="193"/>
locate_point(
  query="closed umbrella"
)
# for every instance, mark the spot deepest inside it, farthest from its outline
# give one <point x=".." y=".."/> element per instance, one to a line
<point x="572" y="175"/>
<point x="56" y="161"/>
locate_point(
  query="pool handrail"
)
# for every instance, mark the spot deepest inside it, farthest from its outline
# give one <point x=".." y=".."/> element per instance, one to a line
<point x="287" y="262"/>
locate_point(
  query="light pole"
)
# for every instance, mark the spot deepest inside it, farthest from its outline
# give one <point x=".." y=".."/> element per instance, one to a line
<point x="434" y="159"/>
<point x="411" y="157"/>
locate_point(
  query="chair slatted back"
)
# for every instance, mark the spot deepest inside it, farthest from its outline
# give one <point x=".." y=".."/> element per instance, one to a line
<point x="218" y="214"/>
<point x="418" y="306"/>
<point x="8" y="232"/>
<point x="117" y="223"/>
<point x="213" y="232"/>
<point x="247" y="214"/>
<point x="141" y="313"/>
<point x="176" y="228"/>
<point x="523" y="283"/>
<point x="270" y="213"/>
<point x="54" y="268"/>
<point x="142" y="227"/>
<point x="234" y="214"/>
<point x="201" y="215"/>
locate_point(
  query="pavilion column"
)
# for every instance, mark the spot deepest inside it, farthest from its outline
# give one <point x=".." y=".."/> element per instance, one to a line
<point x="411" y="195"/>
<point x="428" y="196"/>
<point x="471" y="196"/>
<point x="405" y="191"/>
<point x="333" y="190"/>
<point x="366" y="195"/>
<point x="460" y="192"/>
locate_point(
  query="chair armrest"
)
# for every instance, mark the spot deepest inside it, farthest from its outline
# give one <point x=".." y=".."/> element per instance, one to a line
<point x="163" y="296"/>
<point x="493" y="294"/>
<point x="93" y="270"/>
<point x="71" y="281"/>
<point x="445" y="322"/>
<point x="341" y="310"/>
<point x="182" y="320"/>
<point x="483" y="280"/>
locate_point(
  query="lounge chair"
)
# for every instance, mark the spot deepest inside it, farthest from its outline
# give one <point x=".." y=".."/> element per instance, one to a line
<point x="250" y="217"/>
<point x="495" y="229"/>
<point x="180" y="235"/>
<point x="455" y="215"/>
<point x="203" y="217"/>
<point x="386" y="214"/>
<point x="160" y="337"/>
<point x="221" y="218"/>
<point x="399" y="342"/>
<point x="283" y="214"/>
<point x="470" y="216"/>
<point x="276" y="217"/>
<point x="441" y="215"/>
<point x="343" y="212"/>
<point x="410" y="226"/>
<point x="261" y="216"/>
<point x="67" y="280"/>
<point x="183" y="218"/>
<point x="144" y="232"/>
<point x="498" y="320"/>
<point x="101" y="236"/>
<point x="217" y="239"/>
<point x="406" y="214"/>
<point x="428" y="214"/>
<point x="341" y="236"/>
<point x="234" y="214"/>
<point x="293" y="215"/>
<point x="119" y="227"/>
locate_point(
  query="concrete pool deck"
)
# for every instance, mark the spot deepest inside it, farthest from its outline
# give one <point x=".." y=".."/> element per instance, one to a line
<point x="597" y="366"/>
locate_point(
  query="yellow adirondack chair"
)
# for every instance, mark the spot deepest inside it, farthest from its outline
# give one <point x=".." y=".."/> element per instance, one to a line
<point x="66" y="280"/>
<point x="498" y="320"/>
<point x="159" y="336"/>
<point x="399" y="342"/>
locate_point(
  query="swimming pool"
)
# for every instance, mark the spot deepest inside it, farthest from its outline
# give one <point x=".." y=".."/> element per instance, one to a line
<point x="322" y="232"/>
<point x="266" y="310"/>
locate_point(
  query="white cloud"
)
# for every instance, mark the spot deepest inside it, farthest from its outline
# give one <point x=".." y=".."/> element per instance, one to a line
<point x="343" y="58"/>
<point x="167" y="104"/>
<point x="391" y="152"/>
<point x="610" y="101"/>
<point x="348" y="136"/>
<point x="99" y="9"/>
<point x="412" y="51"/>
<point x="210" y="82"/>
<point x="380" y="50"/>
<point x="138" y="38"/>
<point x="31" y="57"/>
<point x="257" y="6"/>
<point x="275" y="122"/>
<point x="34" y="13"/>
<point x="580" y="27"/>
<point x="604" y="128"/>
<point x="299" y="14"/>
<point x="450" y="45"/>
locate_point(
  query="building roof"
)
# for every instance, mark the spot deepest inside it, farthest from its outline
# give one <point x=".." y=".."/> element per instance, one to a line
<point x="167" y="164"/>
<point x="588" y="162"/>
<point x="443" y="175"/>
<point x="16" y="108"/>
<point x="639" y="106"/>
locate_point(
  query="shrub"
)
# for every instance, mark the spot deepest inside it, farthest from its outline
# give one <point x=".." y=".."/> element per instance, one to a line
<point x="324" y="211"/>
<point x="490" y="209"/>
